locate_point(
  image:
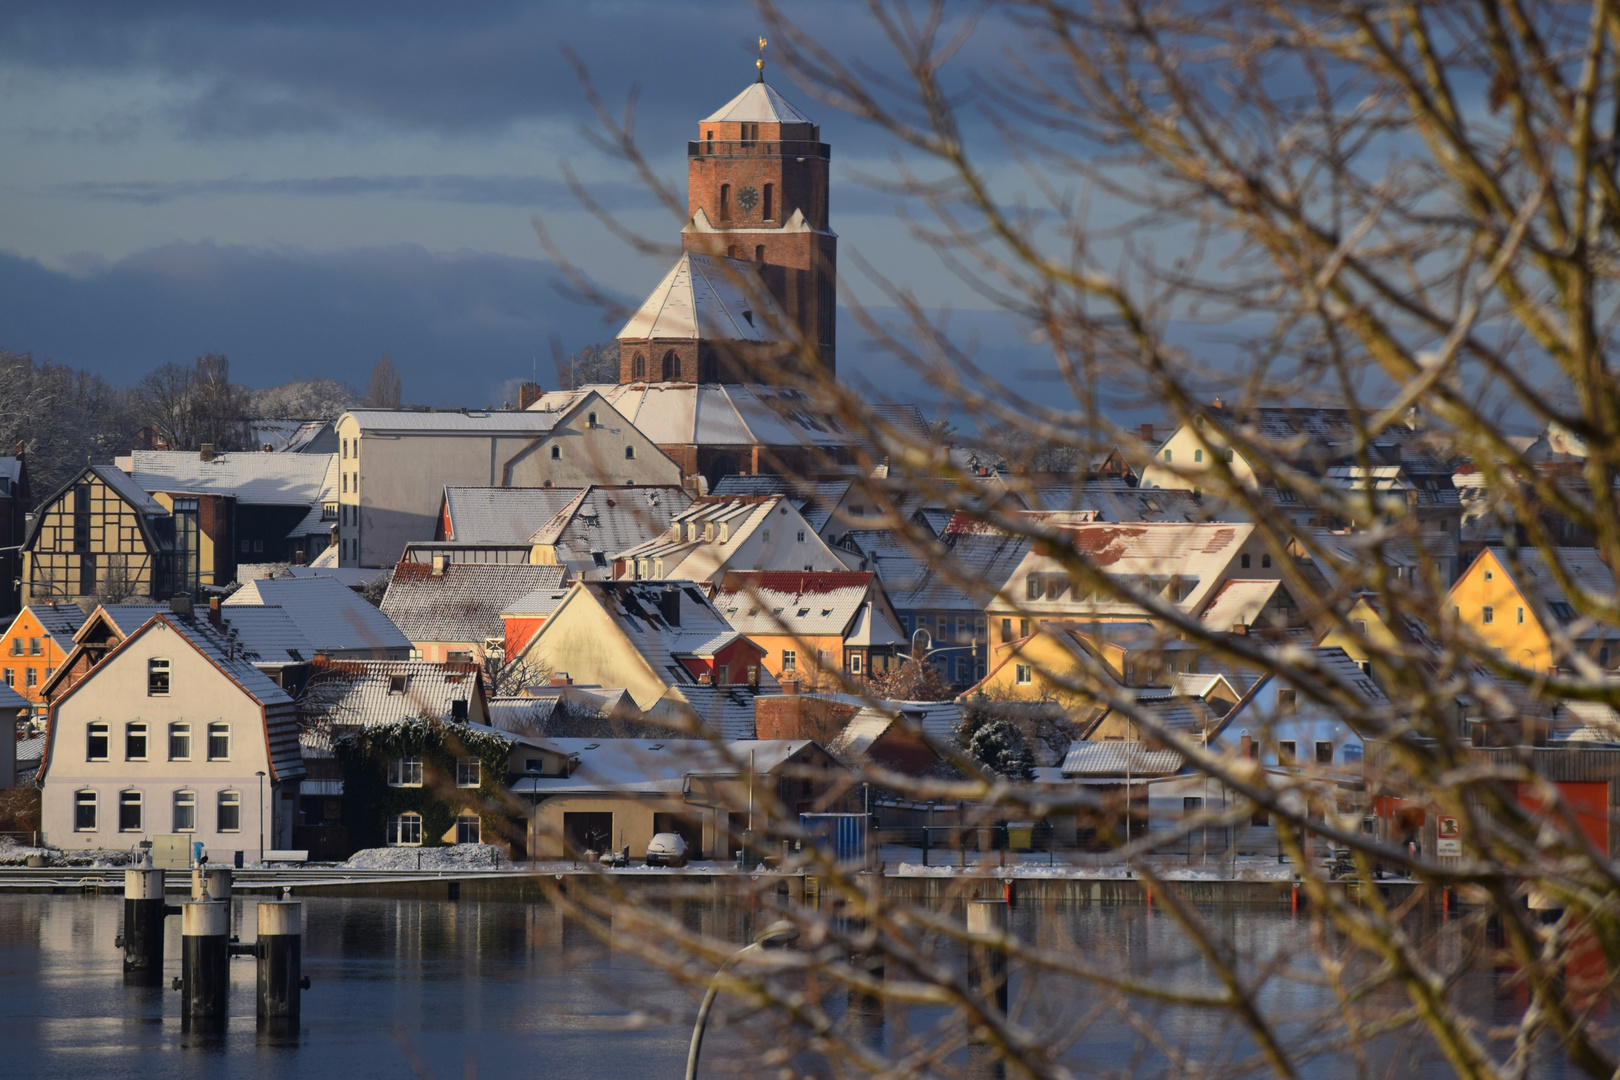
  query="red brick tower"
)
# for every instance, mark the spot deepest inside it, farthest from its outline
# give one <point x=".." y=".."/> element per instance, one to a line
<point x="757" y="190"/>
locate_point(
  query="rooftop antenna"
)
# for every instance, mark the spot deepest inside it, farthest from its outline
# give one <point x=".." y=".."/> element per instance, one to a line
<point x="759" y="64"/>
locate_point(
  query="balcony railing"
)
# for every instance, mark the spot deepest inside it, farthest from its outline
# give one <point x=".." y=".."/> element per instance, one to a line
<point x="699" y="148"/>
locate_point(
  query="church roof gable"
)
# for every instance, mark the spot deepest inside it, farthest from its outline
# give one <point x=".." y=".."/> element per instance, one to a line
<point x="704" y="297"/>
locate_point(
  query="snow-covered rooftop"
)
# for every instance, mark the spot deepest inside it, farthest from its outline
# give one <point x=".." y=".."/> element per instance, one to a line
<point x="759" y="104"/>
<point x="708" y="298"/>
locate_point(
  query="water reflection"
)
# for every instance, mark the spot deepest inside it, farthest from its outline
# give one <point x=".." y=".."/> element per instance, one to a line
<point x="517" y="989"/>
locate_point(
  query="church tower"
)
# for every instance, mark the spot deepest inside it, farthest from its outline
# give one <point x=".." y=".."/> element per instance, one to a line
<point x="757" y="180"/>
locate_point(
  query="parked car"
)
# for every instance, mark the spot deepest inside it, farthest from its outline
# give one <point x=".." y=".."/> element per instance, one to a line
<point x="666" y="849"/>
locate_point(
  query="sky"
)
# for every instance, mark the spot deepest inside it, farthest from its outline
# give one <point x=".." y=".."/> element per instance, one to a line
<point x="307" y="186"/>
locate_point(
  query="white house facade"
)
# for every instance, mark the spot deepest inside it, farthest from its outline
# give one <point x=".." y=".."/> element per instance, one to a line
<point x="172" y="734"/>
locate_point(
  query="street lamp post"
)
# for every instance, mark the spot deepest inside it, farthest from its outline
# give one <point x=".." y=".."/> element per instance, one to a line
<point x="16" y="583"/>
<point x="777" y="932"/>
<point x="261" y="815"/>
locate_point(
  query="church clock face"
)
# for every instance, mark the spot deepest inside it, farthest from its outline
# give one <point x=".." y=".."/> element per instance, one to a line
<point x="748" y="198"/>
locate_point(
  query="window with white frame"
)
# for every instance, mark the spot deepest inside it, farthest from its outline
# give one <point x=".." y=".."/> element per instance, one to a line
<point x="95" y="742"/>
<point x="790" y="660"/>
<point x="1023" y="674"/>
<point x="157" y="677"/>
<point x="135" y="742"/>
<point x="469" y="772"/>
<point x="185" y="811"/>
<point x="229" y="816"/>
<point x="468" y="830"/>
<point x="180" y="742"/>
<point x="405" y="830"/>
<point x="219" y="741"/>
<point x="129" y="811"/>
<point x="84" y="811"/>
<point x="405" y="772"/>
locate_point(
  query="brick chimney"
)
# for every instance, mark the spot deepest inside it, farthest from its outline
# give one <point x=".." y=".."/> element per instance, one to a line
<point x="790" y="687"/>
<point x="528" y="394"/>
<point x="214" y="615"/>
<point x="669" y="605"/>
<point x="1147" y="432"/>
<point x="206" y="452"/>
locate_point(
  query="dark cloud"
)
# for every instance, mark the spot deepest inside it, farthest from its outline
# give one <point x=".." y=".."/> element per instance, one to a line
<point x="524" y="191"/>
<point x="459" y="326"/>
<point x="251" y="69"/>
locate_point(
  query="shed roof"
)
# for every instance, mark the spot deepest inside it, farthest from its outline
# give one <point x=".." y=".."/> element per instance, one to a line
<point x="494" y="515"/>
<point x="1118" y="758"/>
<point x="267" y="634"/>
<point x="421" y="422"/>
<point x="125" y="485"/>
<point x="803" y="603"/>
<point x="11" y="701"/>
<point x="330" y="614"/>
<point x="465" y="601"/>
<point x="258" y="479"/>
<point x="1239" y="603"/>
<point x="610" y="519"/>
<point x="60" y="621"/>
<point x="368" y="693"/>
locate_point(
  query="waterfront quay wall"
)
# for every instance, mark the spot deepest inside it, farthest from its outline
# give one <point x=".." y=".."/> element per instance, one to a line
<point x="522" y="887"/>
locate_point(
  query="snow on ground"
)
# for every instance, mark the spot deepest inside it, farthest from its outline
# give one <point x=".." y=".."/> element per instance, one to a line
<point x="14" y="854"/>
<point x="450" y="857"/>
<point x="1087" y="873"/>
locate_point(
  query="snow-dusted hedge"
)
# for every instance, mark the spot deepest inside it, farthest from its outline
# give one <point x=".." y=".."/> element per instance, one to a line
<point x="368" y="802"/>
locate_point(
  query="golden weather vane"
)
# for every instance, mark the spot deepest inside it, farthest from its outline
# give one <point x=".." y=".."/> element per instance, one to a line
<point x="760" y="63"/>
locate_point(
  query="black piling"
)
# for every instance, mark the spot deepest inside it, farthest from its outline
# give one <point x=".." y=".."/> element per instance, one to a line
<point x="281" y="958"/>
<point x="205" y="978"/>
<point x="143" y="926"/>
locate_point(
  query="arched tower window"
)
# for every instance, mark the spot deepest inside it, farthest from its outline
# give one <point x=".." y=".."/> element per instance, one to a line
<point x="768" y="204"/>
<point x="759" y="254"/>
<point x="672" y="366"/>
<point x="725" y="202"/>
<point x="638" y="367"/>
<point x="706" y="367"/>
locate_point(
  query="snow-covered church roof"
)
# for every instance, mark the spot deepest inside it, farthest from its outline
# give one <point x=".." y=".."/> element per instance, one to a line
<point x="759" y="104"/>
<point x="706" y="297"/>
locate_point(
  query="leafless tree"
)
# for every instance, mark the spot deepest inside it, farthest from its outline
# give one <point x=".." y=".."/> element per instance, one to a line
<point x="185" y="407"/>
<point x="595" y="363"/>
<point x="1406" y="213"/>
<point x="384" y="387"/>
<point x="303" y="399"/>
<point x="62" y="418"/>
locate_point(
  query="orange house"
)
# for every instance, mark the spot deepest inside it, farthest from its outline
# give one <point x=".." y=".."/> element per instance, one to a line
<point x="35" y="644"/>
<point x="526" y="615"/>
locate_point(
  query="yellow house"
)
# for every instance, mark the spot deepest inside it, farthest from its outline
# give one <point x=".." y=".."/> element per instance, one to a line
<point x="814" y="624"/>
<point x="1079" y="669"/>
<point x="1516" y="605"/>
